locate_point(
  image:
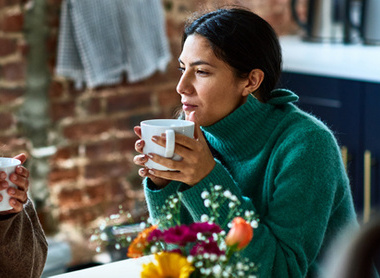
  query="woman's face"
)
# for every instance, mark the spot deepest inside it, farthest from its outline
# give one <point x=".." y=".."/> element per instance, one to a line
<point x="208" y="85"/>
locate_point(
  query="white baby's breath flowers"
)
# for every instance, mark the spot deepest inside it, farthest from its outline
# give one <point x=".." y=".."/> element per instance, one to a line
<point x="207" y="203"/>
<point x="142" y="225"/>
<point x="227" y="194"/>
<point x="217" y="270"/>
<point x="204" y="218"/>
<point x="254" y="224"/>
<point x="190" y="259"/>
<point x="218" y="187"/>
<point x="154" y="249"/>
<point x="103" y="236"/>
<point x="205" y="194"/>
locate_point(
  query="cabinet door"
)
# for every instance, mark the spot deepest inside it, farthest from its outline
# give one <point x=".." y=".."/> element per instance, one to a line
<point x="337" y="102"/>
<point x="372" y="143"/>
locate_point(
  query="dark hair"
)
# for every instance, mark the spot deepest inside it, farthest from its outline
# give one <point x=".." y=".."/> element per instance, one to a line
<point x="243" y="40"/>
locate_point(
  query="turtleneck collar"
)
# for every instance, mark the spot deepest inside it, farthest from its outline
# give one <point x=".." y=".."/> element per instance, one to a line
<point x="251" y="125"/>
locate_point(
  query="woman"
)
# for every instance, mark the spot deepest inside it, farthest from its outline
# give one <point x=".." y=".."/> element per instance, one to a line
<point x="23" y="247"/>
<point x="281" y="162"/>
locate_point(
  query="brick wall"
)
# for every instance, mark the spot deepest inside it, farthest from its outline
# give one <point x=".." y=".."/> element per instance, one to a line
<point x="92" y="172"/>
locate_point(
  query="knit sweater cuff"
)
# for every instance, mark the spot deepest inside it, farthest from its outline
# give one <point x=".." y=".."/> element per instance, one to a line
<point x="156" y="197"/>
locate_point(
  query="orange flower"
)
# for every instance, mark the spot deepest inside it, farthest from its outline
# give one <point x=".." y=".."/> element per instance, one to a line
<point x="240" y="234"/>
<point x="138" y="245"/>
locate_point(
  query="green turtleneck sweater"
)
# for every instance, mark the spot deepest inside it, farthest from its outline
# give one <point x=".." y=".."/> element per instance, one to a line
<point x="286" y="166"/>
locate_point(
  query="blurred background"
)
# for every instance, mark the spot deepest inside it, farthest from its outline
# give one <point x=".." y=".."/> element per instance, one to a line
<point x="79" y="136"/>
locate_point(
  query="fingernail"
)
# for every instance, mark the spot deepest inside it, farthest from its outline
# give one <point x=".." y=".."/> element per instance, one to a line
<point x="163" y="135"/>
<point x="154" y="138"/>
<point x="3" y="175"/>
<point x="151" y="172"/>
<point x="149" y="155"/>
<point x="19" y="170"/>
<point x="3" y="185"/>
<point x="12" y="191"/>
<point x="13" y="202"/>
<point x="14" y="177"/>
<point x="139" y="144"/>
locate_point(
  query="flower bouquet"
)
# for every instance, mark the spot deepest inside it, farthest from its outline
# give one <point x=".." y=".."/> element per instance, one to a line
<point x="200" y="249"/>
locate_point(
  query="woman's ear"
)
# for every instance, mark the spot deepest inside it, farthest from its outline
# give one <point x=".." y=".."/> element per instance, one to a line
<point x="254" y="80"/>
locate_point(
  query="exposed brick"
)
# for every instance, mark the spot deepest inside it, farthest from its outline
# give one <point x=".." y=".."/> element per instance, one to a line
<point x="12" y="22"/>
<point x="137" y="118"/>
<point x="9" y="95"/>
<point x="126" y="144"/>
<point x="128" y="101"/>
<point x="98" y="192"/>
<point x="88" y="129"/>
<point x="59" y="175"/>
<point x="6" y="3"/>
<point x="106" y="169"/>
<point x="65" y="153"/>
<point x="56" y="90"/>
<point x="13" y="144"/>
<point x="13" y="71"/>
<point x="100" y="149"/>
<point x="124" y="124"/>
<point x="7" y="121"/>
<point x="169" y="98"/>
<point x="92" y="106"/>
<point x="7" y="46"/>
<point x="70" y="197"/>
<point x="62" y="109"/>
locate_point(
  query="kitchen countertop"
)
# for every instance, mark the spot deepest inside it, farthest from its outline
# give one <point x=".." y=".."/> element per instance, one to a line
<point x="353" y="61"/>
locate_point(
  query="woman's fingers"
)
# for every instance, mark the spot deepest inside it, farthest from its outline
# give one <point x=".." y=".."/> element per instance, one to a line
<point x="18" y="195"/>
<point x="140" y="159"/>
<point x="139" y="146"/>
<point x="137" y="130"/>
<point x="21" y="157"/>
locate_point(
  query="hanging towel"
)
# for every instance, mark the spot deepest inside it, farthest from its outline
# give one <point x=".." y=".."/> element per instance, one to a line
<point x="99" y="40"/>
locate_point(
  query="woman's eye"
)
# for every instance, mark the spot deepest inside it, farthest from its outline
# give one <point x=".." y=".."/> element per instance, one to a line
<point x="181" y="69"/>
<point x="202" y="72"/>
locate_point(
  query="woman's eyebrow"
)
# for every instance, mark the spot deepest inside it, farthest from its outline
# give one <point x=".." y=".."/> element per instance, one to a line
<point x="196" y="63"/>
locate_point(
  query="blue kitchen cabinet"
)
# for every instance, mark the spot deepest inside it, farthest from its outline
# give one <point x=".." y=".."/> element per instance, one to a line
<point x="372" y="143"/>
<point x="350" y="109"/>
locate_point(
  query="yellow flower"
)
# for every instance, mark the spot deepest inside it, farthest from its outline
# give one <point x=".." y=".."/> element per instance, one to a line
<point x="169" y="265"/>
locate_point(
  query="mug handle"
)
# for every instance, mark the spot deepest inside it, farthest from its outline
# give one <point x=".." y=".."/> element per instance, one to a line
<point x="170" y="143"/>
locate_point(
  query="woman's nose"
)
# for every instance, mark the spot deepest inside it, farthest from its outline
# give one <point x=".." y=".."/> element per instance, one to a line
<point x="184" y="85"/>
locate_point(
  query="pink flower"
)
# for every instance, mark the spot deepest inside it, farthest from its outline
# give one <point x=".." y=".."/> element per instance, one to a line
<point x="240" y="234"/>
<point x="180" y="235"/>
<point x="210" y="247"/>
<point x="205" y="228"/>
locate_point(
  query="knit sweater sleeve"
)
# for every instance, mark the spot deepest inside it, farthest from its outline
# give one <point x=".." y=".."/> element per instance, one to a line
<point x="23" y="247"/>
<point x="309" y="203"/>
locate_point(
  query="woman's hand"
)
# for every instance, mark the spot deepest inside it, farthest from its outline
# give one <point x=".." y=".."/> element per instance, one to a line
<point x="141" y="159"/>
<point x="197" y="160"/>
<point x="18" y="196"/>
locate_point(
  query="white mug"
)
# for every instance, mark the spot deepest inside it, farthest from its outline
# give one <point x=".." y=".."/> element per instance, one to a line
<point x="157" y="127"/>
<point x="7" y="165"/>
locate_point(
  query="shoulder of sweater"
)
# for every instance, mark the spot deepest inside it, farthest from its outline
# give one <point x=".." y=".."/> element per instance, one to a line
<point x="296" y="119"/>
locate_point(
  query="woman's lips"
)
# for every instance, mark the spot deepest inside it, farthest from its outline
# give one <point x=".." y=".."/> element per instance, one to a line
<point x="188" y="107"/>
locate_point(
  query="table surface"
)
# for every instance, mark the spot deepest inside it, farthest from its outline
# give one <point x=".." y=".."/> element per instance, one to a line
<point x="130" y="268"/>
<point x="353" y="61"/>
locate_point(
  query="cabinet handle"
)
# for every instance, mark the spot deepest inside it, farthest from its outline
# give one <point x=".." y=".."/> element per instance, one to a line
<point x="367" y="186"/>
<point x="344" y="152"/>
